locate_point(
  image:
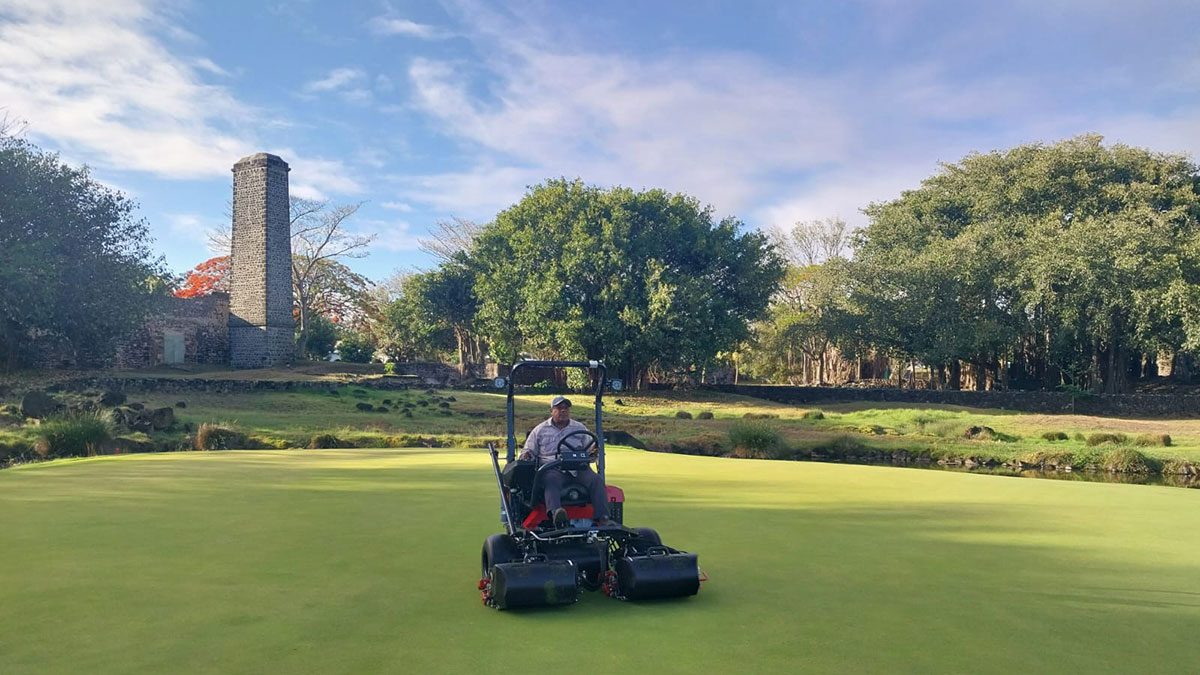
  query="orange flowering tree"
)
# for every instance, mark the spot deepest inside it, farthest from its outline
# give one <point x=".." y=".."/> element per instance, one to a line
<point x="208" y="277"/>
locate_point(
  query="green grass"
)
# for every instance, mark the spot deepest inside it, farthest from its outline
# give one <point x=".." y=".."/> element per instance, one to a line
<point x="292" y="419"/>
<point x="366" y="561"/>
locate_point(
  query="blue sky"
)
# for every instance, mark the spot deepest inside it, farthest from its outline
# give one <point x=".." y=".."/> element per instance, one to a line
<point x="770" y="111"/>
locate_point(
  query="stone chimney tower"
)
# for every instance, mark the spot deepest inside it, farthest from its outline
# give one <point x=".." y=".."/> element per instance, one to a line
<point x="261" y="329"/>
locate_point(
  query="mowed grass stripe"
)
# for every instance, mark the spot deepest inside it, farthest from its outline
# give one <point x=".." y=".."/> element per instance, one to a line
<point x="366" y="560"/>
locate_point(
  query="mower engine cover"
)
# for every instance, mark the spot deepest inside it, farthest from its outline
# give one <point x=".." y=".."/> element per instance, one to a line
<point x="534" y="584"/>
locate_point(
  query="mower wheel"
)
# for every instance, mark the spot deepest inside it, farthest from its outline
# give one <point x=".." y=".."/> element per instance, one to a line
<point x="646" y="538"/>
<point x="499" y="548"/>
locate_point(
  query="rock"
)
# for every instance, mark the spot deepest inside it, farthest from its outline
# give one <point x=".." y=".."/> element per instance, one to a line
<point x="443" y="404"/>
<point x="619" y="402"/>
<point x="408" y="413"/>
<point x="137" y="406"/>
<point x="181" y="404"/>
<point x="111" y="399"/>
<point x="705" y="415"/>
<point x="365" y="407"/>
<point x="133" y="419"/>
<point x="387" y="401"/>
<point x="382" y="409"/>
<point x="430" y="392"/>
<point x="39" y="405"/>
<point x="970" y="463"/>
<point x="980" y="432"/>
<point x="683" y="415"/>
<point x="162" y="418"/>
<point x="422" y="403"/>
<point x="451" y="399"/>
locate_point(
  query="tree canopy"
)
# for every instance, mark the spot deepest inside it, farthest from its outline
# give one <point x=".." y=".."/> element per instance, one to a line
<point x="74" y="260"/>
<point x="639" y="279"/>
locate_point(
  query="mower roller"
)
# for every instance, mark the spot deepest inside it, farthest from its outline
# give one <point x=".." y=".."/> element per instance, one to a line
<point x="533" y="563"/>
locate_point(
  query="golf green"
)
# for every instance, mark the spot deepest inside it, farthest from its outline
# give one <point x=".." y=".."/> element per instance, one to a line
<point x="367" y="561"/>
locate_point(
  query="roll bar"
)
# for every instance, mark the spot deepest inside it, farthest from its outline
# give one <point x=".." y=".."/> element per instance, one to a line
<point x="600" y="384"/>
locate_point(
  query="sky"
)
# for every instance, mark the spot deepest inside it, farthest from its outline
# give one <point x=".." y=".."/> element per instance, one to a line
<point x="772" y="112"/>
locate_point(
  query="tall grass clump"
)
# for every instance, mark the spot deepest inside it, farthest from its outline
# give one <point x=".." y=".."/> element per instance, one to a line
<point x="219" y="437"/>
<point x="756" y="440"/>
<point x="813" y="415"/>
<point x="1146" y="440"/>
<point x="1126" y="460"/>
<point x="1104" y="437"/>
<point x="75" y="435"/>
<point x="1055" y="436"/>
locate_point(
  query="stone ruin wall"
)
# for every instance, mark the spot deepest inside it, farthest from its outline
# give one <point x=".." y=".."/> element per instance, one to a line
<point x="201" y="321"/>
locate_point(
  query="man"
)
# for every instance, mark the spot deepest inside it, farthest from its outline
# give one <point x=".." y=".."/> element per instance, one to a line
<point x="542" y="445"/>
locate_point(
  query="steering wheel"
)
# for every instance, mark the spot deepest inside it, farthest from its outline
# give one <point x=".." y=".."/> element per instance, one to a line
<point x="591" y="446"/>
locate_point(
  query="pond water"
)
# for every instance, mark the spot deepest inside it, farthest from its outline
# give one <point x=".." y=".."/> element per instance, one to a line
<point x="1089" y="476"/>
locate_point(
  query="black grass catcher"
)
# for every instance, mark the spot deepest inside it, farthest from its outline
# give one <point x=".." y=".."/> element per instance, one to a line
<point x="537" y="563"/>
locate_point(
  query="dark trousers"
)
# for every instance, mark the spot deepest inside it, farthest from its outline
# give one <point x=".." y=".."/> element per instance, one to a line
<point x="595" y="485"/>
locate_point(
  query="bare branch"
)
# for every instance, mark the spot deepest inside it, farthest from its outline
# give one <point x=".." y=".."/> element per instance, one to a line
<point x="451" y="237"/>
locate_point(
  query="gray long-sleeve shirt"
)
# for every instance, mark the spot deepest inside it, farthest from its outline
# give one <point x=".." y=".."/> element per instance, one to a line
<point x="542" y="442"/>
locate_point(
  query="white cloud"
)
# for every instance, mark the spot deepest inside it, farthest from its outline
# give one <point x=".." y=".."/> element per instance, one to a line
<point x="394" y="236"/>
<point x="92" y="78"/>
<point x="338" y="78"/>
<point x="397" y="206"/>
<point x="383" y="25"/>
<point x="209" y="66"/>
<point x="188" y="226"/>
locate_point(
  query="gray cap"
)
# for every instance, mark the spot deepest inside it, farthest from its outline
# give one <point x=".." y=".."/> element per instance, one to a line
<point x="560" y="400"/>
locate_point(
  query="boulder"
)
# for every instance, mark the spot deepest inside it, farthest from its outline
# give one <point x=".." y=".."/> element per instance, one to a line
<point x="365" y="407"/>
<point x="111" y="399"/>
<point x="39" y="405"/>
<point x="181" y="404"/>
<point x="162" y="418"/>
<point x="137" y="406"/>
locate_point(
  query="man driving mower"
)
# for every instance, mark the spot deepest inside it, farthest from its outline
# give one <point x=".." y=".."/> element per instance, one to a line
<point x="543" y="443"/>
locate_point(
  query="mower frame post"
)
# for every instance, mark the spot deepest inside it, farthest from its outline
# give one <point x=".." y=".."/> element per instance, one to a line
<point x="601" y="382"/>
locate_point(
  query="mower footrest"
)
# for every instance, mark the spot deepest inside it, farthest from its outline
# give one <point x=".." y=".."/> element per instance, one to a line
<point x="533" y="584"/>
<point x="660" y="574"/>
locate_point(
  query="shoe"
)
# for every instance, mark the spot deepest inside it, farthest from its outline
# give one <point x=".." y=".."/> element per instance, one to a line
<point x="560" y="518"/>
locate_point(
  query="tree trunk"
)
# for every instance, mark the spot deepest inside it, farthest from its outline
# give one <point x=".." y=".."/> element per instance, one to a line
<point x="956" y="375"/>
<point x="977" y="371"/>
<point x="463" y="357"/>
<point x="302" y="342"/>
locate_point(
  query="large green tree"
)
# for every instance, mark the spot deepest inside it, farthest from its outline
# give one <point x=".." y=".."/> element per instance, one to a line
<point x="1068" y="261"/>
<point x="639" y="279"/>
<point x="74" y="260"/>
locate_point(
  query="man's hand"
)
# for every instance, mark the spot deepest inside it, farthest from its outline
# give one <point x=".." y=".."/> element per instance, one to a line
<point x="525" y="454"/>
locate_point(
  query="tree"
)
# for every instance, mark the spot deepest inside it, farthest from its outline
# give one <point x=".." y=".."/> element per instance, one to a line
<point x="815" y="241"/>
<point x="323" y="335"/>
<point x="1068" y="262"/>
<point x="210" y="276"/>
<point x="356" y="347"/>
<point x="452" y="239"/>
<point x="74" y="261"/>
<point x="639" y="279"/>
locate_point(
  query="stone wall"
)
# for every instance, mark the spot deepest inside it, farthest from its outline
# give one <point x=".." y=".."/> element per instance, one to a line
<point x="202" y="323"/>
<point x="261" y="329"/>
<point x="1051" y="402"/>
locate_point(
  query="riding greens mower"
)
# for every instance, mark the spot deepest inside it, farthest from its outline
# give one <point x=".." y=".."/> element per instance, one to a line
<point x="535" y="563"/>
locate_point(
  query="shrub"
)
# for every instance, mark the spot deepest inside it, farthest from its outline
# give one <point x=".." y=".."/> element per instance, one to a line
<point x="841" y="447"/>
<point x="752" y="439"/>
<point x="683" y="415"/>
<point x="389" y="368"/>
<point x="1125" y="460"/>
<point x="1146" y="440"/>
<point x="75" y="435"/>
<point x="1104" y="437"/>
<point x="1055" y="436"/>
<point x="356" y="347"/>
<point x="813" y="415"/>
<point x="705" y="415"/>
<point x="759" y="416"/>
<point x="1079" y="436"/>
<point x="219" y="437"/>
<point x="1179" y="467"/>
